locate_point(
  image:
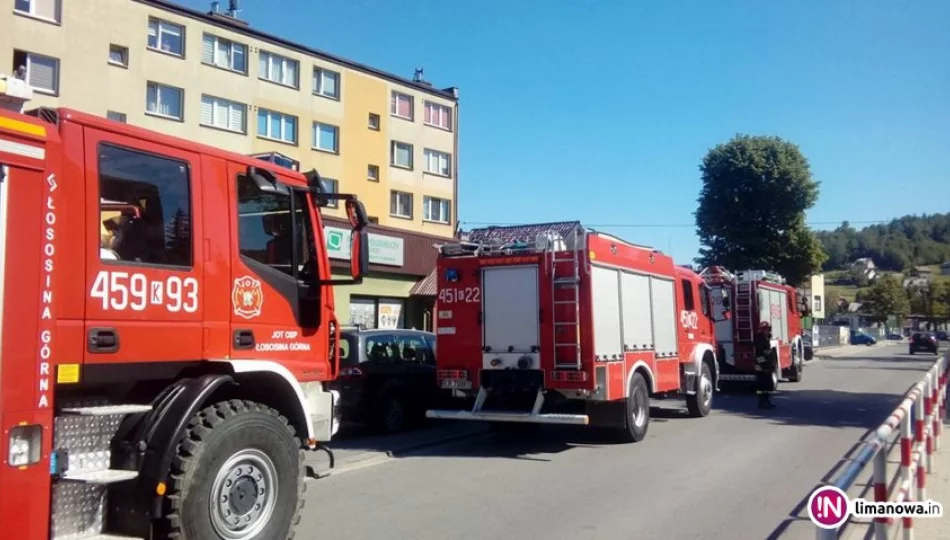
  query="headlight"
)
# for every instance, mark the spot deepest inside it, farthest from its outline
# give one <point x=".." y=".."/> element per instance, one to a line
<point x="25" y="445"/>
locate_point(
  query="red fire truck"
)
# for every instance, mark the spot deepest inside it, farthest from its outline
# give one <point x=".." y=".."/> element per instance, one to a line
<point x="743" y="300"/>
<point x="556" y="323"/>
<point x="166" y="331"/>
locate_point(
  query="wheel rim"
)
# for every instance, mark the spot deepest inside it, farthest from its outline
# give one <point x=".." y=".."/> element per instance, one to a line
<point x="639" y="412"/>
<point x="243" y="495"/>
<point x="705" y="384"/>
<point x="394" y="414"/>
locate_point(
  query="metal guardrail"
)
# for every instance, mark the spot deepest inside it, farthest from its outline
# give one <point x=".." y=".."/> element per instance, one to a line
<point x="918" y="437"/>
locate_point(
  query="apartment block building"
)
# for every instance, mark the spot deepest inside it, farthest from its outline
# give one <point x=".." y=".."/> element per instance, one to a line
<point x="213" y="78"/>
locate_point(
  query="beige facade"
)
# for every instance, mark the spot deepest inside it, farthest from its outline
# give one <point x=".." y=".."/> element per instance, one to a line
<point x="211" y="78"/>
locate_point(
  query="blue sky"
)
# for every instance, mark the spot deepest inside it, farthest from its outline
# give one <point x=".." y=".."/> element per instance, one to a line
<point x="602" y="111"/>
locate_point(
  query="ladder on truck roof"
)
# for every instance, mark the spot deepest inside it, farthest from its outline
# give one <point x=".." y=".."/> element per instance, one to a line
<point x="745" y="331"/>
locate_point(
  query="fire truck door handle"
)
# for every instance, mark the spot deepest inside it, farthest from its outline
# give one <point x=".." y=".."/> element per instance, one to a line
<point x="243" y="339"/>
<point x="103" y="340"/>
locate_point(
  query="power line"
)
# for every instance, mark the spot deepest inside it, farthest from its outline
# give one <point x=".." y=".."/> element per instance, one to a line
<point x="667" y="226"/>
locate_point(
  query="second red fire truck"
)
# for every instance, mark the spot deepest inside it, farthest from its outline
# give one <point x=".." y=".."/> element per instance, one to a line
<point x="742" y="301"/>
<point x="556" y="323"/>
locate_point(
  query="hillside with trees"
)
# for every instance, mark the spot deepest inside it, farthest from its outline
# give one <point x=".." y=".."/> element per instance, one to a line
<point x="897" y="246"/>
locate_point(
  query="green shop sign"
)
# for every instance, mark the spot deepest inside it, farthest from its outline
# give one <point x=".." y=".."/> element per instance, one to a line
<point x="382" y="249"/>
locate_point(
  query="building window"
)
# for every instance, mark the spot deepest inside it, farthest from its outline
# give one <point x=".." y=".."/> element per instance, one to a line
<point x="267" y="233"/>
<point x="116" y="116"/>
<point x="439" y="163"/>
<point x="438" y="115"/>
<point x="279" y="69"/>
<point x="223" y="114"/>
<point x="401" y="106"/>
<point x="166" y="37"/>
<point x="373" y="121"/>
<point x="224" y="54"/>
<point x="118" y="55"/>
<point x="817" y="303"/>
<point x="326" y="83"/>
<point x="145" y="209"/>
<point x="326" y="137"/>
<point x="436" y="209"/>
<point x="40" y="72"/>
<point x="276" y="126"/>
<point x="42" y="9"/>
<point x="372" y="173"/>
<point x="400" y="204"/>
<point x="402" y="155"/>
<point x="164" y="100"/>
<point x="331" y="186"/>
<point x="387" y="313"/>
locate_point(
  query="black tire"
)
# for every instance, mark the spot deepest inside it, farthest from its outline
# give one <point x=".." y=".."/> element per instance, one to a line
<point x="214" y="437"/>
<point x="636" y="418"/>
<point x="797" y="369"/>
<point x="393" y="413"/>
<point x="700" y="403"/>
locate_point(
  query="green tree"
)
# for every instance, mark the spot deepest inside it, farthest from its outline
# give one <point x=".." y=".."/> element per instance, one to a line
<point x="886" y="297"/>
<point x="752" y="207"/>
<point x="832" y="301"/>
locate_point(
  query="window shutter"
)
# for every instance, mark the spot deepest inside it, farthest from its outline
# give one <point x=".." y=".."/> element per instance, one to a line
<point x="221" y="110"/>
<point x="237" y="117"/>
<point x="207" y="110"/>
<point x="46" y="8"/>
<point x="207" y="51"/>
<point x="42" y="73"/>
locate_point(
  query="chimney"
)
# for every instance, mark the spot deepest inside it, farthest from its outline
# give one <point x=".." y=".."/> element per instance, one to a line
<point x="233" y="8"/>
<point x="214" y="7"/>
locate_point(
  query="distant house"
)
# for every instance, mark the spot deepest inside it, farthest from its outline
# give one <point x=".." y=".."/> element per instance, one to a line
<point x="921" y="271"/>
<point x="921" y="282"/>
<point x="864" y="267"/>
<point x="945" y="268"/>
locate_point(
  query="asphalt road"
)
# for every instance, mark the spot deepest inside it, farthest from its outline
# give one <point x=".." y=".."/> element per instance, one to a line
<point x="740" y="473"/>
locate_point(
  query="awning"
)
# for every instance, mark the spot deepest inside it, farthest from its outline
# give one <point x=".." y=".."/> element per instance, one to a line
<point x="425" y="286"/>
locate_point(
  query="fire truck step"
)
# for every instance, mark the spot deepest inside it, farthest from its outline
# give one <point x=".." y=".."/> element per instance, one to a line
<point x="106" y="476"/>
<point x="566" y="281"/>
<point x="524" y="418"/>
<point x="107" y="410"/>
<point x="109" y="537"/>
<point x="558" y="302"/>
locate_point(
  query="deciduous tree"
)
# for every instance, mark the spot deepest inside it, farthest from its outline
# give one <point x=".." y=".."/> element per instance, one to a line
<point x="752" y="206"/>
<point x="886" y="297"/>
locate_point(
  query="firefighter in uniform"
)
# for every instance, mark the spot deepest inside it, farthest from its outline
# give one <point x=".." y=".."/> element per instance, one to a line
<point x="764" y="365"/>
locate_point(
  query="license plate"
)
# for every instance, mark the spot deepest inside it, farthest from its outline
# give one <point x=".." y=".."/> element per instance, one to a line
<point x="456" y="384"/>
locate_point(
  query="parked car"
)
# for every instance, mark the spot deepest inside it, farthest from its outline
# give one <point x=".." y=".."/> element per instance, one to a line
<point x="942" y="336"/>
<point x="387" y="377"/>
<point x="808" y="345"/>
<point x="860" y="338"/>
<point x="923" y="341"/>
<point x="895" y="336"/>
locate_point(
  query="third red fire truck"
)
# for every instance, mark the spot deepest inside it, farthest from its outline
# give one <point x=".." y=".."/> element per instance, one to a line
<point x="741" y="302"/>
<point x="556" y="323"/>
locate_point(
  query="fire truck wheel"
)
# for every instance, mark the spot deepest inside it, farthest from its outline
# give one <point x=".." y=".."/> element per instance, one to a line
<point x="637" y="417"/>
<point x="700" y="403"/>
<point x="797" y="369"/>
<point x="238" y="475"/>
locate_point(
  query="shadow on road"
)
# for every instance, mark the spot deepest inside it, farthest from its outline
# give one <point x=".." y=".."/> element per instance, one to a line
<point x="828" y="408"/>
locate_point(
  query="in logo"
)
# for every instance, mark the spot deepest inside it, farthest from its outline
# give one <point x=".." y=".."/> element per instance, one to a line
<point x="828" y="507"/>
<point x="247" y="297"/>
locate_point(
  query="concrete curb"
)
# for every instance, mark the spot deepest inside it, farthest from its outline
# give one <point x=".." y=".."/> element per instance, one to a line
<point x="373" y="457"/>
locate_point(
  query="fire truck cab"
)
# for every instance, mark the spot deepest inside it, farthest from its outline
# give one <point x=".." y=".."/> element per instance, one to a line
<point x="166" y="331"/>
<point x="555" y="323"/>
<point x="742" y="301"/>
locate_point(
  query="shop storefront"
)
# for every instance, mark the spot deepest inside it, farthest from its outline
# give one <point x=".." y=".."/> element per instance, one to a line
<point x="399" y="291"/>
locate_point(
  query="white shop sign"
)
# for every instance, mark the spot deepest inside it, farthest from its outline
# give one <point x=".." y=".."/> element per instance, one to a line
<point x="382" y="249"/>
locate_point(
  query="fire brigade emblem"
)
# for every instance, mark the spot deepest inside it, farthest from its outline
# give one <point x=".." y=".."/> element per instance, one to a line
<point x="247" y="297"/>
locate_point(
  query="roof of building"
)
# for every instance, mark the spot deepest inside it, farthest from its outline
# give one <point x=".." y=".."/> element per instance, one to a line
<point x="242" y="28"/>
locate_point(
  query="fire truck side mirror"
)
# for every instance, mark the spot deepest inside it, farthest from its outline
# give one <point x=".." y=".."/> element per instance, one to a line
<point x="356" y="214"/>
<point x="265" y="181"/>
<point x="359" y="255"/>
